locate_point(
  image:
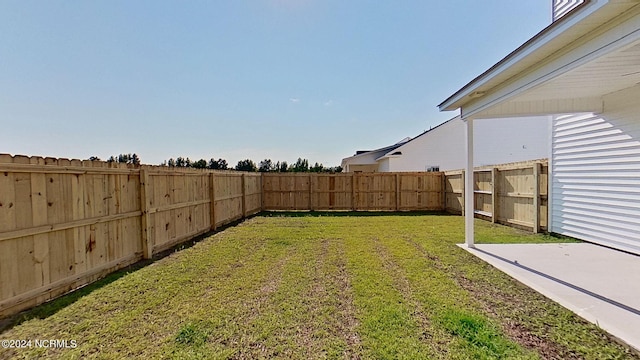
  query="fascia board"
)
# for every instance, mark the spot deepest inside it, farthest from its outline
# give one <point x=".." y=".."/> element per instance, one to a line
<point x="547" y="37"/>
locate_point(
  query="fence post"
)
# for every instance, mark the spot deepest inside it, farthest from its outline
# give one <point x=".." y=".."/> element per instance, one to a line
<point x="463" y="192"/>
<point x="353" y="191"/>
<point x="212" y="195"/>
<point x="398" y="192"/>
<point x="311" y="191"/>
<point x="244" y="197"/>
<point x="536" y="197"/>
<point x="443" y="184"/>
<point x="145" y="196"/>
<point x="494" y="195"/>
<point x="262" y="191"/>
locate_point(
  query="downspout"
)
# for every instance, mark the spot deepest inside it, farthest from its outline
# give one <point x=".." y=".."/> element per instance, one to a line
<point x="550" y="177"/>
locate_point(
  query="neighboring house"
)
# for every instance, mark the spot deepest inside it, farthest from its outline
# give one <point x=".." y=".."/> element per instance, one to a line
<point x="584" y="71"/>
<point x="365" y="160"/>
<point x="433" y="150"/>
<point x="442" y="147"/>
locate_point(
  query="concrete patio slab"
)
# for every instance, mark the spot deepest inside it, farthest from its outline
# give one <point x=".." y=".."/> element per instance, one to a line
<point x="597" y="283"/>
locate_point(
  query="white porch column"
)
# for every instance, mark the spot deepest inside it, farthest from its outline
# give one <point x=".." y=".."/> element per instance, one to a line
<point x="469" y="186"/>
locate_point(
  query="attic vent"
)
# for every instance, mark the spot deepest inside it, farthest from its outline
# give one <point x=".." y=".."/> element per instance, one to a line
<point x="397" y="153"/>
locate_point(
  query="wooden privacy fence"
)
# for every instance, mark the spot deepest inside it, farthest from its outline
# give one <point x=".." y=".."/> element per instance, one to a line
<point x="353" y="191"/>
<point x="511" y="194"/>
<point x="65" y="223"/>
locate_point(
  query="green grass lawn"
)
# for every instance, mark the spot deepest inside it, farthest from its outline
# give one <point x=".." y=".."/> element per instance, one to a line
<point x="315" y="287"/>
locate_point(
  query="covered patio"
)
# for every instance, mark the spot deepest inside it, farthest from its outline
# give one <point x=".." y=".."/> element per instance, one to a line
<point x="587" y="62"/>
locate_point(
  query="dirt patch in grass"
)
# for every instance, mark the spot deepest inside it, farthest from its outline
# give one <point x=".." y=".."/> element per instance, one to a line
<point x="313" y="296"/>
<point x="329" y="303"/>
<point x="347" y="318"/>
<point x="491" y="301"/>
<point x="401" y="283"/>
<point x="266" y="290"/>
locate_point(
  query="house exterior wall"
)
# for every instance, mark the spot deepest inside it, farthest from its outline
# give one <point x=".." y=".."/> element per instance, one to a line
<point x="442" y="146"/>
<point x="507" y="140"/>
<point x="596" y="173"/>
<point x="520" y="139"/>
<point x="383" y="165"/>
<point x="363" y="168"/>
<point x="561" y="7"/>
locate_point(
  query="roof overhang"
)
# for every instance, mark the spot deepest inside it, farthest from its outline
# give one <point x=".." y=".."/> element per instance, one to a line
<point x="377" y="153"/>
<point x="566" y="68"/>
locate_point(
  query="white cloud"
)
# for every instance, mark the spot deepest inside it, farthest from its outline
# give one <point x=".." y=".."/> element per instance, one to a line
<point x="294" y="100"/>
<point x="328" y="103"/>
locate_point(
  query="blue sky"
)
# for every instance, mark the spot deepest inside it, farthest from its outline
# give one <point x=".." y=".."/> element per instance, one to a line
<point x="256" y="79"/>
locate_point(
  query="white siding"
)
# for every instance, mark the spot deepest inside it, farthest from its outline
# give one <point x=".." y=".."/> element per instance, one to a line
<point x="562" y="7"/>
<point x="496" y="141"/>
<point x="383" y="165"/>
<point x="596" y="174"/>
<point x="442" y="146"/>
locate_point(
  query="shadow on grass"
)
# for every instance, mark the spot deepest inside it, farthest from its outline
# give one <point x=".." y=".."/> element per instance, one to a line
<point x="351" y="213"/>
<point x="51" y="307"/>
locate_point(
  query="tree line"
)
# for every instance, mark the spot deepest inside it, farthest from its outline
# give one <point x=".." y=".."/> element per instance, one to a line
<point x="122" y="158"/>
<point x="213" y="164"/>
<point x="266" y="165"/>
<point x="301" y="165"/>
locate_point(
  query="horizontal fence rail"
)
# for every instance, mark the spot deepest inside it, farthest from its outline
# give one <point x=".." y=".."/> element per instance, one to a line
<point x="66" y="223"/>
<point x="511" y="194"/>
